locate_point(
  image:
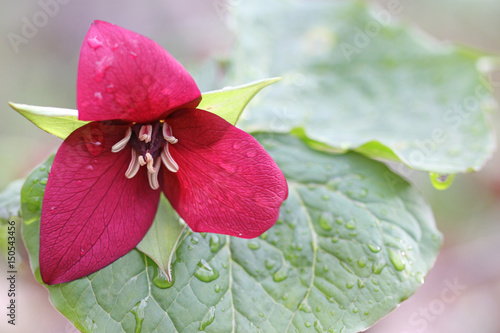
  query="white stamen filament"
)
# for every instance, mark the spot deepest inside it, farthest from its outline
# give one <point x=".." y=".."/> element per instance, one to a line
<point x="123" y="142"/>
<point x="167" y="134"/>
<point x="153" y="177"/>
<point x="134" y="165"/>
<point x="168" y="161"/>
<point x="150" y="162"/>
<point x="145" y="133"/>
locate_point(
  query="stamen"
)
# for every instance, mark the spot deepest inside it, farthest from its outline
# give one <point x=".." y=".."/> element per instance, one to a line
<point x="167" y="134"/>
<point x="167" y="159"/>
<point x="141" y="160"/>
<point x="150" y="162"/>
<point x="145" y="133"/>
<point x="134" y="165"/>
<point x="123" y="142"/>
<point x="153" y="177"/>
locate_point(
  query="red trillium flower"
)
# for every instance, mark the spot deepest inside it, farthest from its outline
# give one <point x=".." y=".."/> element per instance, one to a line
<point x="146" y="136"/>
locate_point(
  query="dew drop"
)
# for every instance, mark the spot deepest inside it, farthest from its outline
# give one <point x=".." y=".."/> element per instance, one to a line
<point x="194" y="240"/>
<point x="216" y="288"/>
<point x="89" y="167"/>
<point x="251" y="153"/>
<point x="349" y="285"/>
<point x="42" y="168"/>
<point x="378" y="267"/>
<point x="396" y="260"/>
<point x="281" y="275"/>
<point x="318" y="309"/>
<point x="355" y="310"/>
<point x="208" y="319"/>
<point x="161" y="280"/>
<point x="285" y="296"/>
<point x="441" y="182"/>
<point x="110" y="88"/>
<point x="34" y="204"/>
<point x="325" y="268"/>
<point x="361" y="284"/>
<point x="350" y="225"/>
<point x="132" y="55"/>
<point x="326" y="221"/>
<point x="307" y="324"/>
<point x="334" y="239"/>
<point x="97" y="97"/>
<point x="264" y="236"/>
<point x="205" y="272"/>
<point x="261" y="315"/>
<point x="254" y="245"/>
<point x="214" y="243"/>
<point x="305" y="308"/>
<point x="101" y="67"/>
<point x="270" y="263"/>
<point x="43" y="181"/>
<point x="79" y="182"/>
<point x="94" y="42"/>
<point x="374" y="248"/>
<point x="236" y="145"/>
<point x="362" y="262"/>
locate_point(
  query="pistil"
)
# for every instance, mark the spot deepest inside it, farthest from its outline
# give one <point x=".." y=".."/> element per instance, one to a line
<point x="150" y="147"/>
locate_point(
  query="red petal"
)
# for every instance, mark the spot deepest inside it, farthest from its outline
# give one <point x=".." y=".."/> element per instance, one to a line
<point x="123" y="75"/>
<point x="92" y="214"/>
<point x="226" y="183"/>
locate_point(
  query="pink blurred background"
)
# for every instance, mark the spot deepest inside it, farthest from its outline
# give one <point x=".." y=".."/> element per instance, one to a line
<point x="462" y="292"/>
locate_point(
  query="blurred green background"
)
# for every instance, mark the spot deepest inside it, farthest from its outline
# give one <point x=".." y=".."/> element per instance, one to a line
<point x="462" y="292"/>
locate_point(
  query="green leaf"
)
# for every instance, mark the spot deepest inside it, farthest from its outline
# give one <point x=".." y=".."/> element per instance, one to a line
<point x="56" y="121"/>
<point x="230" y="102"/>
<point x="162" y="239"/>
<point x="356" y="80"/>
<point x="353" y="241"/>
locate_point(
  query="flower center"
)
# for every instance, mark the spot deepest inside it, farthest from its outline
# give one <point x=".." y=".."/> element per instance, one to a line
<point x="149" y="148"/>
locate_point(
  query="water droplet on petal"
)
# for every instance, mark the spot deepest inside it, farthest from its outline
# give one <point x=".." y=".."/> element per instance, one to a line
<point x="110" y="88"/>
<point x="97" y="97"/>
<point x="94" y="42"/>
<point x="236" y="145"/>
<point x="79" y="182"/>
<point x="251" y="153"/>
<point x="101" y="66"/>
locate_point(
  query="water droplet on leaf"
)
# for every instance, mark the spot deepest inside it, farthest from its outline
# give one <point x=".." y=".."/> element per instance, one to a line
<point x="396" y="260"/>
<point x="441" y="182"/>
<point x="160" y="279"/>
<point x="374" y="248"/>
<point x="214" y="243"/>
<point x="205" y="272"/>
<point x="208" y="319"/>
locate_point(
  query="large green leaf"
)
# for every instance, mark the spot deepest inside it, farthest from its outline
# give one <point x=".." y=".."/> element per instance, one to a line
<point x="353" y="240"/>
<point x="355" y="79"/>
<point x="227" y="103"/>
